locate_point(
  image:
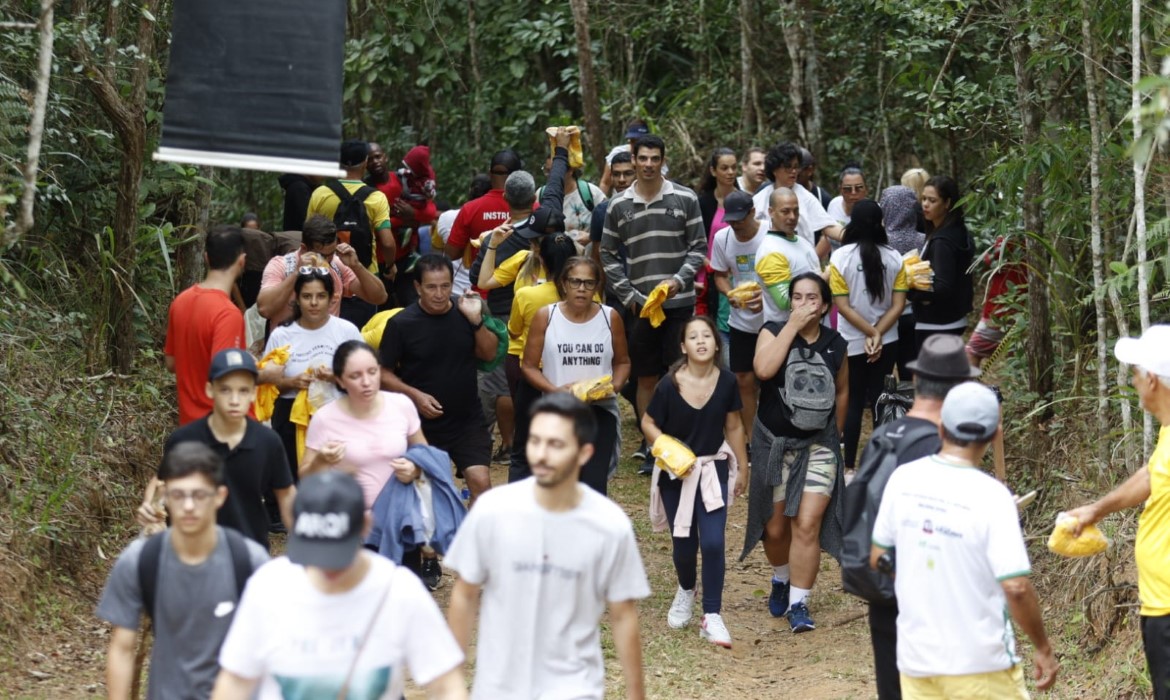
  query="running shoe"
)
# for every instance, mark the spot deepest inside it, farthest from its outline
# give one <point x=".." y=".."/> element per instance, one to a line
<point x="503" y="454"/>
<point x="681" y="609"/>
<point x="713" y="630"/>
<point x="647" y="468"/>
<point x="432" y="573"/>
<point x="799" y="619"/>
<point x="778" y="600"/>
<point x="643" y="452"/>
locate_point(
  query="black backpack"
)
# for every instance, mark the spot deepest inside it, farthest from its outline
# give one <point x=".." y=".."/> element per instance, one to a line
<point x="352" y="221"/>
<point x="148" y="566"/>
<point x="894" y="402"/>
<point x="863" y="496"/>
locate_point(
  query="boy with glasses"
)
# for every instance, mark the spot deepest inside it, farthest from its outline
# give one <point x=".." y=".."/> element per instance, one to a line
<point x="187" y="578"/>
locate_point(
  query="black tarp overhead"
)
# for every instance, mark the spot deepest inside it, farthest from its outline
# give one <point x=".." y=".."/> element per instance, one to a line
<point x="255" y="84"/>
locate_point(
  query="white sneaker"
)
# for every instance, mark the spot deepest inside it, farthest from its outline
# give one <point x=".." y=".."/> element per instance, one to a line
<point x="713" y="630"/>
<point x="681" y="609"/>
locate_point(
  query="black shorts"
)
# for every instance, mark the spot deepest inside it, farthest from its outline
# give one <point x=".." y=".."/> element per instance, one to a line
<point x="1156" y="640"/>
<point x="742" y="350"/>
<point x="469" y="448"/>
<point x="654" y="350"/>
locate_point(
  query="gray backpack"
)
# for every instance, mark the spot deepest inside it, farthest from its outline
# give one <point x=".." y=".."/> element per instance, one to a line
<point x="809" y="392"/>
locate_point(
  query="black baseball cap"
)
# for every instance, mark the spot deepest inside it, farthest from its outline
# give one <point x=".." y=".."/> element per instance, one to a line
<point x="736" y="206"/>
<point x="328" y="518"/>
<point x="543" y="221"/>
<point x="353" y="153"/>
<point x="233" y="360"/>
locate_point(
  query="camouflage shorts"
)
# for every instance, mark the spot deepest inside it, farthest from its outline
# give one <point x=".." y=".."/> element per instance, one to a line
<point x="818" y="477"/>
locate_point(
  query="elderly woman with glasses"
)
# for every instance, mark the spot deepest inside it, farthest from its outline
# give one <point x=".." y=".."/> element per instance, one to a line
<point x="312" y="336"/>
<point x="853" y="189"/>
<point x="579" y="339"/>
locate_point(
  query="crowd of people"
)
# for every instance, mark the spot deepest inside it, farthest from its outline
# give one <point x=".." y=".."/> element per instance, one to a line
<point x="754" y="320"/>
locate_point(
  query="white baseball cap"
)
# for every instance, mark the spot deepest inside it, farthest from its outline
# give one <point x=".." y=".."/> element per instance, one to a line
<point x="1151" y="352"/>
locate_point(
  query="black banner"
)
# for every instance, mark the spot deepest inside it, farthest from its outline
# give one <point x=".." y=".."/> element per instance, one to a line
<point x="255" y="84"/>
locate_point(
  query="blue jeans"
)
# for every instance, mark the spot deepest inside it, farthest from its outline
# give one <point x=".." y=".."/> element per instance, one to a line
<point x="707" y="535"/>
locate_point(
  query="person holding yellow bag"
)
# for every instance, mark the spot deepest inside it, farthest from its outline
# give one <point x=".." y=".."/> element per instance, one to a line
<point x="698" y="403"/>
<point x="312" y="335"/>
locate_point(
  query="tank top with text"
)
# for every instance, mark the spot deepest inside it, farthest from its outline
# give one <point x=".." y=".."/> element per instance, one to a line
<point x="577" y="351"/>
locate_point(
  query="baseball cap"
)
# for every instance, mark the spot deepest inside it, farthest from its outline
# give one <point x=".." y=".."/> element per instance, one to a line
<point x="943" y="356"/>
<point x="328" y="517"/>
<point x="637" y="129"/>
<point x="971" y="412"/>
<point x="736" y="206"/>
<point x="228" y="361"/>
<point x="353" y="153"/>
<point x="1148" y="352"/>
<point x="543" y="220"/>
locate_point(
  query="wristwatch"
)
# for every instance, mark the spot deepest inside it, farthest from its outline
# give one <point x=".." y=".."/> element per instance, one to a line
<point x="478" y="325"/>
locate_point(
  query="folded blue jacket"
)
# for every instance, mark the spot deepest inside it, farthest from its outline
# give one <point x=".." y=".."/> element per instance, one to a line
<point x="397" y="512"/>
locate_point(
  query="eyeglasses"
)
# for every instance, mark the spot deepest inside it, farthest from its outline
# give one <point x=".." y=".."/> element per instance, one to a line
<point x="852" y="188"/>
<point x="178" y="496"/>
<point x="791" y="168"/>
<point x="578" y="283"/>
<point x="309" y="270"/>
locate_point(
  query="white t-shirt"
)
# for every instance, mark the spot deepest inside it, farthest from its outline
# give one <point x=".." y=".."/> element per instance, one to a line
<point x="738" y="259"/>
<point x="836" y="210"/>
<point x="546" y="579"/>
<point x="813" y="216"/>
<point x="847" y="278"/>
<point x="784" y="258"/>
<point x="310" y="348"/>
<point x="461" y="281"/>
<point x="957" y="535"/>
<point x="301" y="642"/>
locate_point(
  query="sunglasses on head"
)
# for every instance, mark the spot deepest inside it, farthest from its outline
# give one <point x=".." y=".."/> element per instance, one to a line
<point x="309" y="270"/>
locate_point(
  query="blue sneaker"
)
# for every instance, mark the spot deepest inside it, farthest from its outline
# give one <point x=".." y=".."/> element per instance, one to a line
<point x="778" y="601"/>
<point x="799" y="619"/>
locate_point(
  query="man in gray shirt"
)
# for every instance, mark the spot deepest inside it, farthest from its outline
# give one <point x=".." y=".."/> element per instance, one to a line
<point x="194" y="580"/>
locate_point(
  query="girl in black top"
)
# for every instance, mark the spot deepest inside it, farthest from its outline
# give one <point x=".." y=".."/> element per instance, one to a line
<point x="698" y="403"/>
<point x="950" y="250"/>
<point x="798" y="471"/>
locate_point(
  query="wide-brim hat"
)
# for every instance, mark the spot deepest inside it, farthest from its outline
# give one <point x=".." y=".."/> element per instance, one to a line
<point x="943" y="356"/>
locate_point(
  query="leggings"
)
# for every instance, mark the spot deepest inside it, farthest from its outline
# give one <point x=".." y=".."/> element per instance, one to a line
<point x="287" y="430"/>
<point x="595" y="473"/>
<point x="907" y="347"/>
<point x="522" y="401"/>
<point x="865" y="386"/>
<point x="707" y="535"/>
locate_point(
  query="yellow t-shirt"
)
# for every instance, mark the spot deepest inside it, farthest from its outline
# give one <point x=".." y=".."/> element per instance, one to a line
<point x="525" y="304"/>
<point x="324" y="202"/>
<point x="374" y="329"/>
<point x="1152" y="549"/>
<point x="508" y="272"/>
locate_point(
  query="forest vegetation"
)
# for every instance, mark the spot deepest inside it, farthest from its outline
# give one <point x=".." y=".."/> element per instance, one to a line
<point x="1052" y="115"/>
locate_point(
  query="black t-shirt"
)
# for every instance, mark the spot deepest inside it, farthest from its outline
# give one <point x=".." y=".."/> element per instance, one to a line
<point x="701" y="429"/>
<point x="256" y="465"/>
<point x="436" y="355"/>
<point x="830" y="346"/>
<point x="922" y="448"/>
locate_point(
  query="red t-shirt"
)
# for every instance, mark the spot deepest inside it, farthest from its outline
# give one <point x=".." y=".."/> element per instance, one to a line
<point x="1008" y="272"/>
<point x="477" y="216"/>
<point x="201" y="322"/>
<point x="425" y="213"/>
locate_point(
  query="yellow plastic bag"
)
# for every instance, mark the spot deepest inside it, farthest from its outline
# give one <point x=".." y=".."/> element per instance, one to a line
<point x="576" y="154"/>
<point x="653" y="306"/>
<point x="266" y="394"/>
<point x="744" y="292"/>
<point x="919" y="271"/>
<point x="593" y="389"/>
<point x="672" y="455"/>
<point x="1063" y="543"/>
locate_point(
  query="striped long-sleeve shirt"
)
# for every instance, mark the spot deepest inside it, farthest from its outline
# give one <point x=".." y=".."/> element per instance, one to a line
<point x="664" y="239"/>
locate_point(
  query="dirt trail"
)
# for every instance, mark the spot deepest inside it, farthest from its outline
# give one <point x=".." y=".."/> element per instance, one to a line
<point x="66" y="659"/>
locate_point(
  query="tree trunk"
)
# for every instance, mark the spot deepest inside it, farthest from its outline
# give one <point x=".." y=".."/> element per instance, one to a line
<point x="36" y="128"/>
<point x="127" y="115"/>
<point x="1139" y="200"/>
<point x="747" y="117"/>
<point x="1091" y="82"/>
<point x="476" y="82"/>
<point x="794" y="41"/>
<point x="1039" y="337"/>
<point x="590" y="106"/>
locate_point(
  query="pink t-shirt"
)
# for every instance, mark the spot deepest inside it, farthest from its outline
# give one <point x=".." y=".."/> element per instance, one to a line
<point x="717" y="224"/>
<point x="370" y="443"/>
